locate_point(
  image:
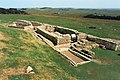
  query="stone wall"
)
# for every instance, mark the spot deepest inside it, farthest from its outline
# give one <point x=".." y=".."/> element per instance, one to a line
<point x="23" y="23"/>
<point x="35" y="23"/>
<point x="64" y="30"/>
<point x="108" y="43"/>
<point x="65" y="35"/>
<point x="64" y="39"/>
<point x="81" y="36"/>
<point x="14" y="26"/>
<point x="118" y="47"/>
<point x="49" y="28"/>
<point x="53" y="39"/>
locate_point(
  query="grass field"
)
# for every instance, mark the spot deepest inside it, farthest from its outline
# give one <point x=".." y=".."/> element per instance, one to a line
<point x="79" y="12"/>
<point x="104" y="28"/>
<point x="19" y="49"/>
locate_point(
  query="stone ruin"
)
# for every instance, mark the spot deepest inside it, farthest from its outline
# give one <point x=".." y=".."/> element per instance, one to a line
<point x="74" y="45"/>
<point x="22" y="24"/>
<point x="110" y="44"/>
<point x="64" y="35"/>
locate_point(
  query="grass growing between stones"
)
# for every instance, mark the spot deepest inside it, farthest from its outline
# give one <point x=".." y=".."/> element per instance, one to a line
<point x="22" y="50"/>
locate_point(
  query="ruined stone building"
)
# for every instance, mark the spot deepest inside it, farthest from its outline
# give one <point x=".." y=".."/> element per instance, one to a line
<point x="74" y="45"/>
<point x="59" y="35"/>
<point x="22" y="24"/>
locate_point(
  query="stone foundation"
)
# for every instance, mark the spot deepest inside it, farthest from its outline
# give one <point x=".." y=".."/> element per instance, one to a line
<point x="74" y="45"/>
<point x="108" y="43"/>
<point x="65" y="35"/>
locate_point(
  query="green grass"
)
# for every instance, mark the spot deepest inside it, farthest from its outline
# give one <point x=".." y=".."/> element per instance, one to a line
<point x="39" y="56"/>
<point x="77" y="12"/>
<point x="103" y="27"/>
<point x="23" y="50"/>
<point x="19" y="77"/>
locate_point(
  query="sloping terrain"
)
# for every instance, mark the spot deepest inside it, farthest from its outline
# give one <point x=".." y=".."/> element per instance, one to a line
<point x="18" y="49"/>
<point x="22" y="50"/>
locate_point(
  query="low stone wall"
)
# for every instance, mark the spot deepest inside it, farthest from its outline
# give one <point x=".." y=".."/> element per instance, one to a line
<point x="56" y="38"/>
<point x="72" y="35"/>
<point x="49" y="28"/>
<point x="14" y="26"/>
<point x="23" y="23"/>
<point x="108" y="43"/>
<point x="35" y="23"/>
<point x="64" y="39"/>
<point x="118" y="47"/>
<point x="48" y="36"/>
<point x="64" y="30"/>
<point x="81" y="36"/>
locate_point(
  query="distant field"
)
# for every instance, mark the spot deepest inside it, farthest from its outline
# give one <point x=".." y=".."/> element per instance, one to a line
<point x="75" y="12"/>
<point x="104" y="28"/>
<point x="20" y="49"/>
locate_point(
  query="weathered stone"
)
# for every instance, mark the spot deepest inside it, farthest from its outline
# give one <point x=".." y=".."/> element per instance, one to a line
<point x="95" y="45"/>
<point x="64" y="39"/>
<point x="81" y="36"/>
<point x="59" y="35"/>
<point x="49" y="28"/>
<point x="29" y="69"/>
<point x="35" y="23"/>
<point x="78" y="44"/>
<point x="21" y="24"/>
<point x="108" y="43"/>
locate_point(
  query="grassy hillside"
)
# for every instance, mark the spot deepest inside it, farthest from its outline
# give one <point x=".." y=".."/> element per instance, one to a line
<point x="19" y="49"/>
<point x="73" y="11"/>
